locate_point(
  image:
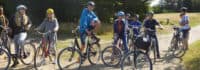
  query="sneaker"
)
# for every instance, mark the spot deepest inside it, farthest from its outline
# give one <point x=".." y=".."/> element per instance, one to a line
<point x="15" y="64"/>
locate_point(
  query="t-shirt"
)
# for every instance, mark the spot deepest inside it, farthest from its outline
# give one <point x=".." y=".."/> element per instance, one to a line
<point x="151" y="24"/>
<point x="119" y="27"/>
<point x="135" y="24"/>
<point x="185" y="19"/>
<point x="86" y="18"/>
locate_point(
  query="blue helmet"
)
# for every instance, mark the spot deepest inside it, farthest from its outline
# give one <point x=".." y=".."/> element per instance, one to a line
<point x="120" y="13"/>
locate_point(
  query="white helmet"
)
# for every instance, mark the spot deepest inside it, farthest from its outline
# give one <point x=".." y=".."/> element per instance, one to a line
<point x="21" y="7"/>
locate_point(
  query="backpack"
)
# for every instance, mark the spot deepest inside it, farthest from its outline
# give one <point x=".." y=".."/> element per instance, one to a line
<point x="143" y="42"/>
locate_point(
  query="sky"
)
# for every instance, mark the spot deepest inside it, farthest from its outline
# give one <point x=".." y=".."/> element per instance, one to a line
<point x="154" y="2"/>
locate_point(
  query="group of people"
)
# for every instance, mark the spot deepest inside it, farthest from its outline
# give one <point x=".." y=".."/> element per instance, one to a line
<point x="20" y="23"/>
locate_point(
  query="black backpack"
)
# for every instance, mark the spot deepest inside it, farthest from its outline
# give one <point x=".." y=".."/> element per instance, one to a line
<point x="143" y="42"/>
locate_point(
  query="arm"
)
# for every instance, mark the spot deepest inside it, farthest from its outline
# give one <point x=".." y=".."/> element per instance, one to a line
<point x="160" y="25"/>
<point x="185" y="20"/>
<point x="41" y="26"/>
<point x="95" y="21"/>
<point x="28" y="26"/>
<point x="56" y="26"/>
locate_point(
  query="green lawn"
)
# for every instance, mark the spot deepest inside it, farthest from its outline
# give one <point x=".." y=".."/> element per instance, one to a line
<point x="105" y="32"/>
<point x="191" y="59"/>
<point x="174" y="19"/>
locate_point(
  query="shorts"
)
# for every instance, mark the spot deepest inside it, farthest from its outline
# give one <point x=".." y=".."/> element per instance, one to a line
<point x="83" y="37"/>
<point x="186" y="34"/>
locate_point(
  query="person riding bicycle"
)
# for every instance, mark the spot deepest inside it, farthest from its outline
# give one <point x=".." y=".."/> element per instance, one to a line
<point x="50" y="26"/>
<point x="3" y="20"/>
<point x="185" y="27"/>
<point x="120" y="30"/>
<point x="88" y="22"/>
<point x="135" y="24"/>
<point x="150" y="24"/>
<point x="20" y="24"/>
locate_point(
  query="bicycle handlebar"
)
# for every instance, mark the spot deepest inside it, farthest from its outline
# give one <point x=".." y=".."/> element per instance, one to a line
<point x="148" y="29"/>
<point x="43" y="33"/>
<point x="5" y="28"/>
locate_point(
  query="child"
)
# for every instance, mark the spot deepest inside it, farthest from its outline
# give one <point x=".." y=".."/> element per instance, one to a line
<point x="50" y="25"/>
<point x="120" y="30"/>
<point x="135" y="25"/>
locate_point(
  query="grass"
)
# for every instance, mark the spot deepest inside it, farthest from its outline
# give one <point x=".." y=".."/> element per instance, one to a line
<point x="174" y="19"/>
<point x="191" y="59"/>
<point x="105" y="32"/>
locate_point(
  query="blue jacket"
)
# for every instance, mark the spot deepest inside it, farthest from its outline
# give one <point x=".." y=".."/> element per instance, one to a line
<point x="86" y="18"/>
<point x="117" y="29"/>
<point x="135" y="24"/>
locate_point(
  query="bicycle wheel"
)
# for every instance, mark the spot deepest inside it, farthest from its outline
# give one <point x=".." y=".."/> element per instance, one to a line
<point x="172" y="44"/>
<point x="93" y="53"/>
<point x="4" y="59"/>
<point x="69" y="59"/>
<point x="39" y="58"/>
<point x="111" y="56"/>
<point x="179" y="50"/>
<point x="152" y="52"/>
<point x="136" y="61"/>
<point x="27" y="53"/>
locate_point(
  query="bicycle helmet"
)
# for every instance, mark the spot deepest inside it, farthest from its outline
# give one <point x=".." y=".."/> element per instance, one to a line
<point x="150" y="13"/>
<point x="136" y="15"/>
<point x="91" y="3"/>
<point x="128" y="14"/>
<point x="120" y="13"/>
<point x="50" y="11"/>
<point x="184" y="9"/>
<point x="21" y="7"/>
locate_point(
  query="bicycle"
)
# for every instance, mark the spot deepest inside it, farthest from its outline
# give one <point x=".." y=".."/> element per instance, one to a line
<point x="177" y="45"/>
<point x="136" y="59"/>
<point x="67" y="56"/>
<point x="111" y="56"/>
<point x="24" y="51"/>
<point x="5" y="39"/>
<point x="4" y="59"/>
<point x="43" y="51"/>
<point x="149" y="33"/>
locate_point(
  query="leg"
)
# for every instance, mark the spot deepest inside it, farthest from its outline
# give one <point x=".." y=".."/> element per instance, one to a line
<point x="16" y="43"/>
<point x="52" y="47"/>
<point x="125" y="43"/>
<point x="157" y="47"/>
<point x="185" y="37"/>
<point x="82" y="37"/>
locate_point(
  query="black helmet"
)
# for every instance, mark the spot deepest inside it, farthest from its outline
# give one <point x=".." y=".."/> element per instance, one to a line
<point x="150" y="13"/>
<point x="184" y="9"/>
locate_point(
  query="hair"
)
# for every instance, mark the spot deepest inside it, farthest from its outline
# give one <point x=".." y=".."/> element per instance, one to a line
<point x="18" y="20"/>
<point x="182" y="14"/>
<point x="1" y="7"/>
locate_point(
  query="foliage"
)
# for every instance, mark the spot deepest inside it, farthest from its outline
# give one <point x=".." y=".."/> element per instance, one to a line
<point x="70" y="10"/>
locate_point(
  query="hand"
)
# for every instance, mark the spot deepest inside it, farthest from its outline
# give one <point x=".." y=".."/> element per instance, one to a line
<point x="161" y="28"/>
<point x="36" y="29"/>
<point x="88" y="32"/>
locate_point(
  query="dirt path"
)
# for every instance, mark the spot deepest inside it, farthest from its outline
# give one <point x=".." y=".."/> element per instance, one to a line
<point x="167" y="62"/>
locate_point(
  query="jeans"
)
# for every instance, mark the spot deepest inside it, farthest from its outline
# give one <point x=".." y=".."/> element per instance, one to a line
<point x="157" y="45"/>
<point x="123" y="38"/>
<point x="19" y="41"/>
